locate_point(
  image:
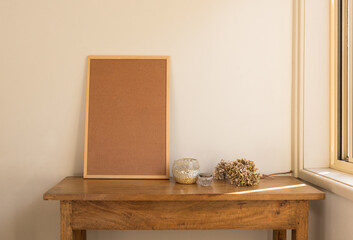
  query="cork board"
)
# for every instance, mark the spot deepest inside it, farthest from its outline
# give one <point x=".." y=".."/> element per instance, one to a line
<point x="126" y="132"/>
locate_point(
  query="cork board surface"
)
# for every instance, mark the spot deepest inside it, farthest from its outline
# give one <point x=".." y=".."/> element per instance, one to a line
<point x="126" y="124"/>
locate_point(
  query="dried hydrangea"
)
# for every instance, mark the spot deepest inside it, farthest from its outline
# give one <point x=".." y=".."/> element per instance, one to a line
<point x="240" y="172"/>
<point x="220" y="173"/>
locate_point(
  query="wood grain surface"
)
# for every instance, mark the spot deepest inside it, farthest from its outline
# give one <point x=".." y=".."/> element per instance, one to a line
<point x="184" y="215"/>
<point x="300" y="232"/>
<point x="271" y="188"/>
<point x="66" y="232"/>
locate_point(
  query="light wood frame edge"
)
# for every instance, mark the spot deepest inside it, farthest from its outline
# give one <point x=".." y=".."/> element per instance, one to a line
<point x="86" y="117"/>
<point x="166" y="176"/>
<point x="129" y="176"/>
<point x="167" y="117"/>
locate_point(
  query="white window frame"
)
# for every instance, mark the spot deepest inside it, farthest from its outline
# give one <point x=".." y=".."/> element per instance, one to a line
<point x="333" y="178"/>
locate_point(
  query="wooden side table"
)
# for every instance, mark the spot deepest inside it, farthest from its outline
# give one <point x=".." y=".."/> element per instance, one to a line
<point x="277" y="203"/>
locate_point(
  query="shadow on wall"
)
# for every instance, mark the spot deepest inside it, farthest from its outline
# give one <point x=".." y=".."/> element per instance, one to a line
<point x="79" y="151"/>
<point x="331" y="219"/>
<point x="38" y="220"/>
<point x="317" y="220"/>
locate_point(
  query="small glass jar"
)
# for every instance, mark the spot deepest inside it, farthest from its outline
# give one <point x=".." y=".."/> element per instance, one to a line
<point x="186" y="170"/>
<point x="205" y="179"/>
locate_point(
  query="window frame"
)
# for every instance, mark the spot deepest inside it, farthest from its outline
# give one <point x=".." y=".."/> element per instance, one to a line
<point x="339" y="59"/>
<point x="327" y="178"/>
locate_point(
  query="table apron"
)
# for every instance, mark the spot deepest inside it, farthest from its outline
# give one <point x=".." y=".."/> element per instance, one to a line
<point x="185" y="215"/>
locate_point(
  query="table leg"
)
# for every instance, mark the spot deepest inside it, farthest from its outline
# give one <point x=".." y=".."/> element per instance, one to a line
<point x="279" y="234"/>
<point x="65" y="220"/>
<point x="301" y="231"/>
<point x="80" y="235"/>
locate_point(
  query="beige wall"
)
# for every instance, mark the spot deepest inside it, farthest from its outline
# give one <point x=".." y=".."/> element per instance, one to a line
<point x="230" y="92"/>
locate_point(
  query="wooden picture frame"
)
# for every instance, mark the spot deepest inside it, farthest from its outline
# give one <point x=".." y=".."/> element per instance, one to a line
<point x="127" y="117"/>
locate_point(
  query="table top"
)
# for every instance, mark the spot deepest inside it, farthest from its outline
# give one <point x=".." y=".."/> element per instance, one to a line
<point x="270" y="188"/>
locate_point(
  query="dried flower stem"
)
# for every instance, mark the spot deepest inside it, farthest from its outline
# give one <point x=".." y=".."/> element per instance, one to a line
<point x="275" y="174"/>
